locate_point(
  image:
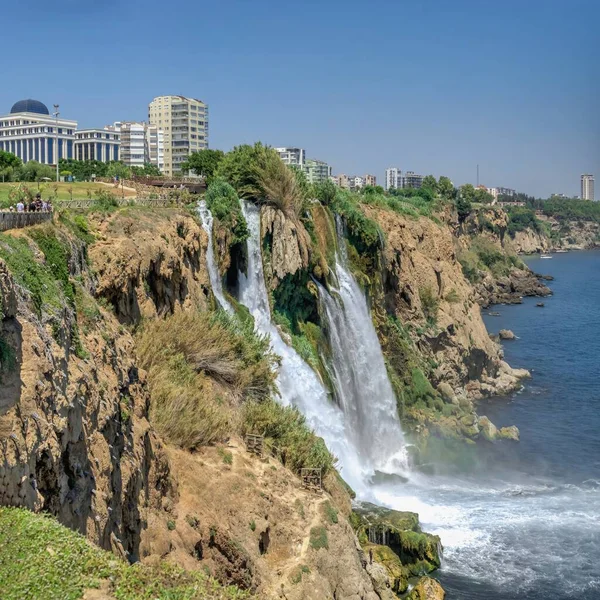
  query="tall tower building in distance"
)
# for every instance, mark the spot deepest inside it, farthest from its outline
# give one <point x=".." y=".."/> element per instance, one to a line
<point x="393" y="178"/>
<point x="587" y="187"/>
<point x="184" y="122"/>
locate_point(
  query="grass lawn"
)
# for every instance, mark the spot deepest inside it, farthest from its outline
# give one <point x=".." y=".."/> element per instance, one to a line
<point x="81" y="190"/>
<point x="41" y="559"/>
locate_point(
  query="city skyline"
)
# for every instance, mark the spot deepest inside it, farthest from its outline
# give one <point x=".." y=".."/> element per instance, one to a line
<point x="486" y="89"/>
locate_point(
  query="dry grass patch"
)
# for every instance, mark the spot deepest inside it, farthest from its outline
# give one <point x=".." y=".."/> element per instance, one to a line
<point x="200" y="367"/>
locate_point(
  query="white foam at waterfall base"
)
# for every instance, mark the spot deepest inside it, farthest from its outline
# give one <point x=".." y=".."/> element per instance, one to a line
<point x="211" y="264"/>
<point x="298" y="384"/>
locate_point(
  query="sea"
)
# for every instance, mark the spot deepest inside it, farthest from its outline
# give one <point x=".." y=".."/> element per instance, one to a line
<point x="522" y="520"/>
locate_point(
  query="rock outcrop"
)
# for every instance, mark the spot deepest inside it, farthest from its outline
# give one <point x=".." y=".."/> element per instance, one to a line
<point x="249" y="522"/>
<point x="427" y="589"/>
<point x="288" y="242"/>
<point x="150" y="263"/>
<point x="511" y="288"/>
<point x="74" y="433"/>
<point x="420" y="265"/>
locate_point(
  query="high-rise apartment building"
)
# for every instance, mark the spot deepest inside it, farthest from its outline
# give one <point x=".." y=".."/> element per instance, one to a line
<point x="411" y="180"/>
<point x="370" y="180"/>
<point x="587" y="187"/>
<point x="184" y="122"/>
<point x="295" y="157"/>
<point x="317" y="171"/>
<point x="141" y="143"/>
<point x="394" y="178"/>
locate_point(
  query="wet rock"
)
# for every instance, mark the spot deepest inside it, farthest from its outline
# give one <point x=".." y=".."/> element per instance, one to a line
<point x="427" y="589"/>
<point x="487" y="429"/>
<point x="419" y="552"/>
<point x="506" y="334"/>
<point x="509" y="433"/>
<point x="447" y="393"/>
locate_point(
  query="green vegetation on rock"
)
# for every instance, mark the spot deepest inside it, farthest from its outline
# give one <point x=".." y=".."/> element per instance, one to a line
<point x="222" y="200"/>
<point x="199" y="366"/>
<point x="287" y="434"/>
<point x="37" y="278"/>
<point x="417" y="551"/>
<point x="42" y="559"/>
<point x="318" y="538"/>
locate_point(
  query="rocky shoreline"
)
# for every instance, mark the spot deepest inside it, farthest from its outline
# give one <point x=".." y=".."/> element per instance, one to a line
<point x="512" y="288"/>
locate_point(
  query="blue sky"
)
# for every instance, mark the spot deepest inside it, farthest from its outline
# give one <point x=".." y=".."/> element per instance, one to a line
<point x="426" y="85"/>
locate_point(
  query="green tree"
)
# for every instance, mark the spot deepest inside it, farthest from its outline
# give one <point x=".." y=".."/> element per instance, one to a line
<point x="148" y="170"/>
<point x="7" y="159"/>
<point x="35" y="171"/>
<point x="445" y="187"/>
<point x="9" y="165"/>
<point x="238" y="167"/>
<point x="204" y="163"/>
<point x="467" y="192"/>
<point x="483" y="196"/>
<point x="430" y="182"/>
<point x="118" y="169"/>
<point x="325" y="192"/>
<point x="82" y="170"/>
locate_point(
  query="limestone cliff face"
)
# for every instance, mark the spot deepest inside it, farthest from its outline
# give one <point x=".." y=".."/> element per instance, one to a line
<point x="75" y="438"/>
<point x="288" y="242"/>
<point x="150" y="264"/>
<point x="420" y="262"/>
<point x="530" y="242"/>
<point x="573" y="235"/>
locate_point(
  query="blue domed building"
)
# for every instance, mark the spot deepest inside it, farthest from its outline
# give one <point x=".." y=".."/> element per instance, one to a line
<point x="29" y="106"/>
<point x="30" y="132"/>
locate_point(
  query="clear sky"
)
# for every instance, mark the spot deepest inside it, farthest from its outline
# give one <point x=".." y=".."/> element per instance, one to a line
<point x="433" y="86"/>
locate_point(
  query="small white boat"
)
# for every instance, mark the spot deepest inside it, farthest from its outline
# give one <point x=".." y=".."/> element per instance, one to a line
<point x="545" y="256"/>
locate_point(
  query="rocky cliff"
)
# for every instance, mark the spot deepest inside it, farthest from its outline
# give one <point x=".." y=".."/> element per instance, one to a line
<point x="76" y="441"/>
<point x="150" y="263"/>
<point x="75" y="427"/>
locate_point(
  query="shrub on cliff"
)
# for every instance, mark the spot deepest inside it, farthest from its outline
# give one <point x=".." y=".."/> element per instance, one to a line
<point x="200" y="365"/>
<point x="285" y="430"/>
<point x="222" y="201"/>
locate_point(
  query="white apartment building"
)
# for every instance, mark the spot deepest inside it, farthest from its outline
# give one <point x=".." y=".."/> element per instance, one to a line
<point x="293" y="156"/>
<point x="97" y="144"/>
<point x="587" y="187"/>
<point x="30" y="132"/>
<point x="356" y="182"/>
<point x="394" y="178"/>
<point x="141" y="143"/>
<point x="184" y="122"/>
<point x="317" y="171"/>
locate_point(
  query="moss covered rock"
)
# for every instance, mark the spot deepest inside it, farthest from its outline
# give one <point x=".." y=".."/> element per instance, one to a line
<point x="396" y="572"/>
<point x="417" y="551"/>
<point x="426" y="589"/>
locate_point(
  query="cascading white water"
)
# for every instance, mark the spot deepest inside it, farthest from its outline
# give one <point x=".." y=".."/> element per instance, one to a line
<point x="360" y="377"/>
<point x="211" y="264"/>
<point x="298" y="384"/>
<point x="362" y="385"/>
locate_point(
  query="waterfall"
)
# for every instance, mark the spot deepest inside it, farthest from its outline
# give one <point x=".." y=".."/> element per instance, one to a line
<point x="211" y="264"/>
<point x="298" y="384"/>
<point x="360" y="377"/>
